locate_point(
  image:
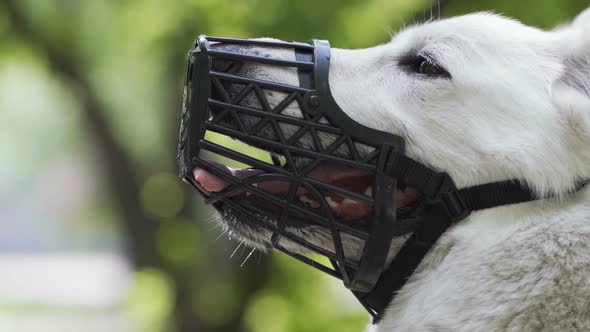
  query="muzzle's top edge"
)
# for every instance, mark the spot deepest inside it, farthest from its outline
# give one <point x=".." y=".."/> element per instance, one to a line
<point x="257" y="42"/>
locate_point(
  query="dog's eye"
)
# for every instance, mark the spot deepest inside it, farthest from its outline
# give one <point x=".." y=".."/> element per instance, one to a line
<point x="429" y="68"/>
<point x="424" y="66"/>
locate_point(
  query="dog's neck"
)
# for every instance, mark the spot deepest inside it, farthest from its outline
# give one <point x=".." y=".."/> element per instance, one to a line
<point x="488" y="227"/>
<point x="486" y="237"/>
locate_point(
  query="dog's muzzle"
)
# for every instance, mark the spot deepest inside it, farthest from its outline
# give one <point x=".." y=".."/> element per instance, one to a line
<point x="313" y="165"/>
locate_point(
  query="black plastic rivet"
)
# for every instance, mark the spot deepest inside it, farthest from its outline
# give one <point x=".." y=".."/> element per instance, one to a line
<point x="314" y="101"/>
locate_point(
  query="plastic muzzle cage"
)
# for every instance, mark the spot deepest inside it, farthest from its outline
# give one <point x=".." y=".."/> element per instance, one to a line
<point x="232" y="105"/>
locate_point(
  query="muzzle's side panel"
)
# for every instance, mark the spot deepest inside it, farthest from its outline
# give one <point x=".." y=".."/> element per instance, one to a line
<point x="314" y="167"/>
<point x="194" y="114"/>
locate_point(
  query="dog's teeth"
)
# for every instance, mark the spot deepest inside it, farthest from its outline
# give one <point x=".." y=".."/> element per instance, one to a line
<point x="369" y="191"/>
<point x="309" y="201"/>
<point x="331" y="202"/>
<point x="305" y="199"/>
<point x="248" y="193"/>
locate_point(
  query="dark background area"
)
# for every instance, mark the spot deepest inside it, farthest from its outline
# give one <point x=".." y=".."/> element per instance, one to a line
<point x="97" y="232"/>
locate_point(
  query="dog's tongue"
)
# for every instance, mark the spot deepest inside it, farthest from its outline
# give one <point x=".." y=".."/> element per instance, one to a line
<point x="352" y="179"/>
<point x="208" y="181"/>
<point x="337" y="175"/>
<point x="212" y="183"/>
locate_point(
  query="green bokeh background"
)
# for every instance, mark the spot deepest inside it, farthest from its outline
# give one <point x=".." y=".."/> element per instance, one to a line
<point x="92" y="89"/>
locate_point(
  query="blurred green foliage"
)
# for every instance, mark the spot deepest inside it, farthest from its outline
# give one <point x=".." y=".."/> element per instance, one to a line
<point x="126" y="59"/>
<point x="150" y="301"/>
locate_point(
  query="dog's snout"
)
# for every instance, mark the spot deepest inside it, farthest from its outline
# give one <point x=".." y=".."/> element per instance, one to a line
<point x="226" y="66"/>
<point x="225" y="62"/>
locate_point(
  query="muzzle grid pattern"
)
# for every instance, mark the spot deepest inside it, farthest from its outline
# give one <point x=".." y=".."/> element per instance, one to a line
<point x="312" y="140"/>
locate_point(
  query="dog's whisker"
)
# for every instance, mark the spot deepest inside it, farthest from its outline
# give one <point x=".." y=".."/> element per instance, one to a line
<point x="247" y="257"/>
<point x="235" y="250"/>
<point x="214" y="227"/>
<point x="219" y="236"/>
<point x="212" y="217"/>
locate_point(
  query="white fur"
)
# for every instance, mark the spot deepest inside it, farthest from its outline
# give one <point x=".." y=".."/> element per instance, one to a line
<point x="516" y="107"/>
<point x="506" y="113"/>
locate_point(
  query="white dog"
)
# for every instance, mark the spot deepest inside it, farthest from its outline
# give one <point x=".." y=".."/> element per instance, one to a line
<point x="517" y="106"/>
<point x="485" y="99"/>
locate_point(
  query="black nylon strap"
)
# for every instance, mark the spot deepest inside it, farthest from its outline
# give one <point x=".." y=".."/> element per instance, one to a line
<point x="406" y="261"/>
<point x="440" y="216"/>
<point x="496" y="194"/>
<point x="415" y="174"/>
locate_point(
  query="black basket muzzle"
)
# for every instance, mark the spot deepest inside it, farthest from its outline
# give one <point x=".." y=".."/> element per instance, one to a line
<point x="304" y="135"/>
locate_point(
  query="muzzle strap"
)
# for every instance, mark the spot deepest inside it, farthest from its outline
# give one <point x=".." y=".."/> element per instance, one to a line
<point x="491" y="195"/>
<point x="438" y="219"/>
<point x="405" y="262"/>
<point x="416" y="174"/>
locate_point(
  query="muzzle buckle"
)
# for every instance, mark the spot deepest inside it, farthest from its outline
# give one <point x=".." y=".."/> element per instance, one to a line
<point x="451" y="199"/>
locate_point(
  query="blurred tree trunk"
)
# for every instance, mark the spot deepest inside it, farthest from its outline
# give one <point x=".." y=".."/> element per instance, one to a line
<point x="122" y="176"/>
<point x="117" y="165"/>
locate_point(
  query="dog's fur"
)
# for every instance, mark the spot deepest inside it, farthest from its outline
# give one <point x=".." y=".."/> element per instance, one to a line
<point x="516" y="106"/>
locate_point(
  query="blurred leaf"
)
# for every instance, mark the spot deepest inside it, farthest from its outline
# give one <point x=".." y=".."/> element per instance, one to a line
<point x="178" y="242"/>
<point x="162" y="195"/>
<point x="268" y="311"/>
<point x="217" y="302"/>
<point x="151" y="300"/>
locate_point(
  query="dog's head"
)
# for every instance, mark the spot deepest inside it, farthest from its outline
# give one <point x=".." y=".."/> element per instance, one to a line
<point x="489" y="104"/>
<point x="481" y="97"/>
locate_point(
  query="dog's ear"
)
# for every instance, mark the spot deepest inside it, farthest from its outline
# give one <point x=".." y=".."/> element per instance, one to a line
<point x="574" y="51"/>
<point x="571" y="91"/>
